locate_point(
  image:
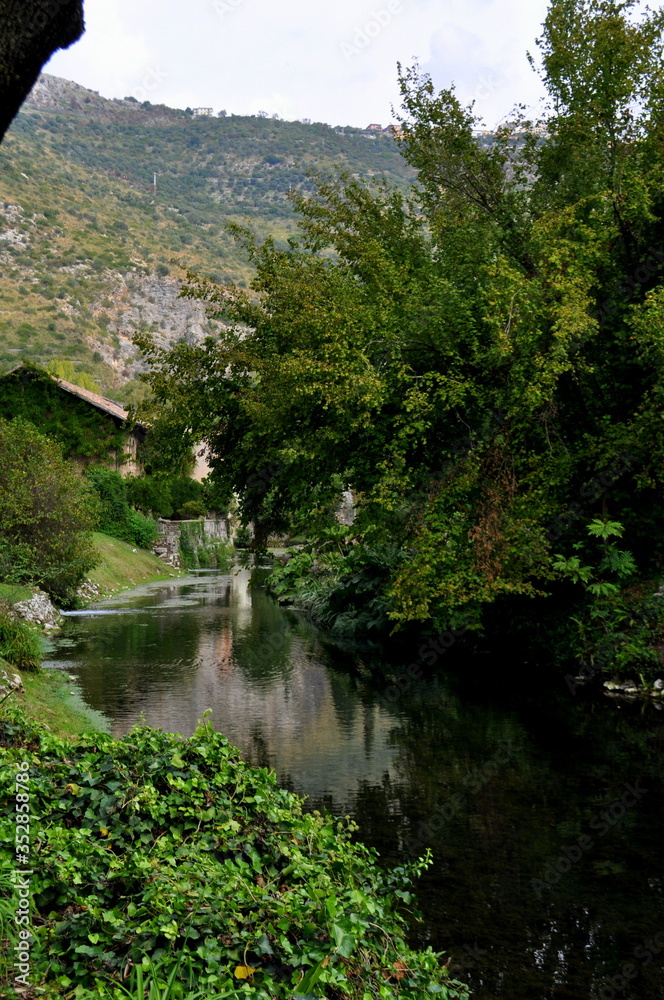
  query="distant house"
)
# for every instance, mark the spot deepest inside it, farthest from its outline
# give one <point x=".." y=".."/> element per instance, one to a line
<point x="91" y="428"/>
<point x="374" y="128"/>
<point x="202" y="112"/>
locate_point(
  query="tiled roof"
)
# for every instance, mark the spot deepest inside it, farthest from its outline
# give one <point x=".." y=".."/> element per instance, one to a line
<point x="107" y="405"/>
<point x="101" y="402"/>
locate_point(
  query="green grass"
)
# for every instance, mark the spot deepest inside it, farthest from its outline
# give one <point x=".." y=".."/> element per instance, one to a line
<point x="125" y="566"/>
<point x="52" y="699"/>
<point x="11" y="593"/>
<point x="20" y="643"/>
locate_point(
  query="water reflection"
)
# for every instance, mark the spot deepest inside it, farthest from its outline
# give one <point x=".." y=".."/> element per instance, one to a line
<point x="500" y="786"/>
<point x="216" y="644"/>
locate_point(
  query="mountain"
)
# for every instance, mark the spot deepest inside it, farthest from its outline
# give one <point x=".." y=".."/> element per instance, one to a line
<point x="90" y="247"/>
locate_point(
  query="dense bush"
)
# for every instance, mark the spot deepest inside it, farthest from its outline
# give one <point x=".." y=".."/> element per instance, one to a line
<point x="185" y="490"/>
<point x="340" y="583"/>
<point x="47" y="513"/>
<point x="157" y="848"/>
<point x="192" y="509"/>
<point x="150" y="494"/>
<point x="117" y="517"/>
<point x="166" y="496"/>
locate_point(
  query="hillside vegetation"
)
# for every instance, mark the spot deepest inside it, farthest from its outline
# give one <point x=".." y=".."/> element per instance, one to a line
<point x="86" y="250"/>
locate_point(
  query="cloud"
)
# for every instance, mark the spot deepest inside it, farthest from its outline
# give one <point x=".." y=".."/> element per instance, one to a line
<point x="328" y="60"/>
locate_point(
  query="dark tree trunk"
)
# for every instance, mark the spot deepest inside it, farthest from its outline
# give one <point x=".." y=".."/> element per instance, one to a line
<point x="30" y="32"/>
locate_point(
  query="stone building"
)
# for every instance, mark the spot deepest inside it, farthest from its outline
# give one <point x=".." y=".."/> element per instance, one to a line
<point x="92" y="428"/>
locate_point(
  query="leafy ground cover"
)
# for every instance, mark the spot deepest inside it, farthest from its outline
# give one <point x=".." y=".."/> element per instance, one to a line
<point x="175" y="858"/>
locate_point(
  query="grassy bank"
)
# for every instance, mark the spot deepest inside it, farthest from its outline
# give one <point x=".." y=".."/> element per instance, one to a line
<point x="124" y="565"/>
<point x="52" y="698"/>
<point x="13" y="592"/>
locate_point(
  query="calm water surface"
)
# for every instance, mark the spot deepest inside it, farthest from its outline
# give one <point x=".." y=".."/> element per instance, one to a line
<point x="544" y="810"/>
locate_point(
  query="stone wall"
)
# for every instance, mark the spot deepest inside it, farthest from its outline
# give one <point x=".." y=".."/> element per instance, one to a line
<point x="167" y="546"/>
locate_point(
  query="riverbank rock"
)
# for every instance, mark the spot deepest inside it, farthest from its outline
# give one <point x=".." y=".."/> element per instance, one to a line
<point x="9" y="680"/>
<point x="629" y="689"/>
<point x="39" y="611"/>
<point x="89" y="591"/>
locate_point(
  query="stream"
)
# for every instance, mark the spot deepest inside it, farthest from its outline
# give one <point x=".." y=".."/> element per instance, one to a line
<point x="544" y="809"/>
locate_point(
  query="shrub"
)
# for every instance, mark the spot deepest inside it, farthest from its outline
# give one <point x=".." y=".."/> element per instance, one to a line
<point x="143" y="530"/>
<point x="47" y="513"/>
<point x="242" y="537"/>
<point x="117" y="517"/>
<point x="191" y="509"/>
<point x="19" y="644"/>
<point x="150" y="494"/>
<point x="184" y="489"/>
<point x="341" y="581"/>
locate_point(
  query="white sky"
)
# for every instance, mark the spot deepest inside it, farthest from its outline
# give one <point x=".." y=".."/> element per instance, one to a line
<point x="327" y="60"/>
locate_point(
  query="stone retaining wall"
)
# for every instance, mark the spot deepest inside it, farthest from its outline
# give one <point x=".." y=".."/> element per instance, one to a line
<point x="167" y="546"/>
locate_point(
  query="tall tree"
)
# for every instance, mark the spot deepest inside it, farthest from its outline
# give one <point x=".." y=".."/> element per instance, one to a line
<point x="475" y="358"/>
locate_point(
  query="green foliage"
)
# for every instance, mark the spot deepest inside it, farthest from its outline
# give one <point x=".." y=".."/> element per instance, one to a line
<point x="117" y="518"/>
<point x="473" y="359"/>
<point x="341" y="580"/>
<point x="66" y="370"/>
<point x="192" y="509"/>
<point x="173" y="856"/>
<point x="184" y="491"/>
<point x="46" y="513"/>
<point x="619" y="628"/>
<point x="165" y="495"/>
<point x="200" y="552"/>
<point x="19" y="643"/>
<point x="167" y="450"/>
<point x="150" y="494"/>
<point x="242" y="538"/>
<point x="84" y="431"/>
